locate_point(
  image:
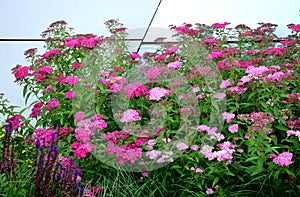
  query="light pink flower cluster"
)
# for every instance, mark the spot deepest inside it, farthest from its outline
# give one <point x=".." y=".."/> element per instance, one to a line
<point x="181" y="146"/>
<point x="225" y="154"/>
<point x="197" y="170"/>
<point x="175" y="65"/>
<point x="236" y="90"/>
<point x="52" y="104"/>
<point x="85" y="129"/>
<point x="194" y="147"/>
<point x="130" y="115"/>
<point x="220" y="95"/>
<point x="256" y="71"/>
<point x="233" y="128"/>
<point x="225" y="83"/>
<point x="212" y="132"/>
<point x="125" y="154"/>
<point x="157" y="93"/>
<point x="244" y="80"/>
<point x="150" y="144"/>
<point x="135" y="90"/>
<point x="295" y="133"/>
<point x="228" y="116"/>
<point x="283" y="159"/>
<point x="115" y="83"/>
<point x="154" y="72"/>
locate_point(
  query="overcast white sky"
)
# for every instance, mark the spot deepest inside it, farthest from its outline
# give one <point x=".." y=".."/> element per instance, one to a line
<point x="27" y="19"/>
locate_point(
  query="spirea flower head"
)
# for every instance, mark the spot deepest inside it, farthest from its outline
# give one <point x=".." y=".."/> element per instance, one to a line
<point x="228" y="116"/>
<point x="157" y="93"/>
<point x="52" y="104"/>
<point x="175" y="65"/>
<point x="283" y="159"/>
<point x="70" y="94"/>
<point x="21" y="72"/>
<point x="181" y="146"/>
<point x="130" y="115"/>
<point x="233" y="128"/>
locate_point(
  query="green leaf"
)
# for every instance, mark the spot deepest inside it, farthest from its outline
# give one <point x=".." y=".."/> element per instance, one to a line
<point x="252" y="158"/>
<point x="280" y="127"/>
<point x="216" y="179"/>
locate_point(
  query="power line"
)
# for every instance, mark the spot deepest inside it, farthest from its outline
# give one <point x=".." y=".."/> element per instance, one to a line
<point x="148" y="26"/>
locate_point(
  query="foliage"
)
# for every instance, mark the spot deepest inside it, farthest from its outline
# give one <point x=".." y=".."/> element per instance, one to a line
<point x="215" y="114"/>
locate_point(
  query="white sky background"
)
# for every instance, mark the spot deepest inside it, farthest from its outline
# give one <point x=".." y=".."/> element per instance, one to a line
<point x="27" y="19"/>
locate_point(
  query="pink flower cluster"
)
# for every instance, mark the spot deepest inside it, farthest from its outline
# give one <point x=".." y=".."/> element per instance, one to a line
<point x="51" y="53"/>
<point x="71" y="80"/>
<point x="14" y="122"/>
<point x="216" y="54"/>
<point x="210" y="41"/>
<point x="130" y="115"/>
<point x="186" y="29"/>
<point x="175" y="65"/>
<point x="236" y="90"/>
<point x="125" y="154"/>
<point x="157" y="93"/>
<point x="154" y="72"/>
<point x="181" y="146"/>
<point x="160" y="157"/>
<point x="41" y="73"/>
<point x="228" y="116"/>
<point x="21" y="72"/>
<point x="197" y="170"/>
<point x="76" y="65"/>
<point x="45" y="136"/>
<point x="220" y="25"/>
<point x="85" y="129"/>
<point x="164" y="55"/>
<point x="115" y="83"/>
<point x="292" y="98"/>
<point x="82" y="149"/>
<point x="212" y="132"/>
<point x="70" y="94"/>
<point x="225" y="83"/>
<point x="135" y="90"/>
<point x="233" y="128"/>
<point x="283" y="159"/>
<point x="295" y="133"/>
<point x="83" y="41"/>
<point x="36" y="110"/>
<point x="225" y="154"/>
<point x="128" y="153"/>
<point x="135" y="55"/>
<point x="52" y="104"/>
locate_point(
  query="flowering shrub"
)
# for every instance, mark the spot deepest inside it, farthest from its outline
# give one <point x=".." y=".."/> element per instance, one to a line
<point x="215" y="114"/>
